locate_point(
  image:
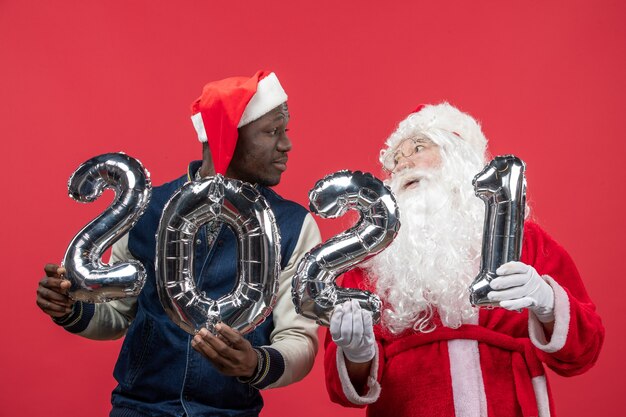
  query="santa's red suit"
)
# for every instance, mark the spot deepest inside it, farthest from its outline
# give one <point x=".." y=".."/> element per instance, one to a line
<point x="491" y="368"/>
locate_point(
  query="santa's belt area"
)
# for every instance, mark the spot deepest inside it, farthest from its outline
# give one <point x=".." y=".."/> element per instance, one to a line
<point x="526" y="365"/>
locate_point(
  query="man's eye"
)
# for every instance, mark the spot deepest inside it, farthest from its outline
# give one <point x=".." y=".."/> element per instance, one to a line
<point x="418" y="148"/>
<point x="277" y="131"/>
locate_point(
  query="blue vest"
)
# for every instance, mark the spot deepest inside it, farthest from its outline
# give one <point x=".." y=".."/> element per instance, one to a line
<point x="158" y="372"/>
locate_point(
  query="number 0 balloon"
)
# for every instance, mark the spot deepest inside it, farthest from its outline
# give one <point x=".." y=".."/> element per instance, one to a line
<point x="241" y="206"/>
<point x="502" y="186"/>
<point x="313" y="286"/>
<point x="93" y="281"/>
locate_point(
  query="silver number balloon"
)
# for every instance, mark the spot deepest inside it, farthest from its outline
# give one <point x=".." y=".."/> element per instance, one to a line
<point x="241" y="207"/>
<point x="502" y="186"/>
<point x="93" y="281"/>
<point x="313" y="286"/>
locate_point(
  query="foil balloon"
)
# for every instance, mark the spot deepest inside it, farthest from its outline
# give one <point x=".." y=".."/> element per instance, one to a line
<point x="91" y="279"/>
<point x="314" y="291"/>
<point x="241" y="207"/>
<point x="502" y="186"/>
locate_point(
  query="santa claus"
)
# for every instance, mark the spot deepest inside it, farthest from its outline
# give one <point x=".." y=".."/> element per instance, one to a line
<point x="434" y="354"/>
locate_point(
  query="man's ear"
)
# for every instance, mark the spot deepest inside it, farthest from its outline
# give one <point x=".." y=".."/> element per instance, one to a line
<point x="207" y="160"/>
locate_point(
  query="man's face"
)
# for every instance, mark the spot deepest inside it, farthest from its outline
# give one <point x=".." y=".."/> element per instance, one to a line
<point x="262" y="147"/>
<point x="410" y="159"/>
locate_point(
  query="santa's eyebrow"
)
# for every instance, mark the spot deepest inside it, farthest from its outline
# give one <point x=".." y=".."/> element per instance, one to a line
<point x="419" y="141"/>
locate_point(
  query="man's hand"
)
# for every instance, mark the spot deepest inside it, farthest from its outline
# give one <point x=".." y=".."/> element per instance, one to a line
<point x="52" y="296"/>
<point x="229" y="351"/>
<point x="520" y="286"/>
<point x="351" y="328"/>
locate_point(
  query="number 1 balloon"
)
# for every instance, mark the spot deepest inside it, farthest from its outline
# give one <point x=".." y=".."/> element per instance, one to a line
<point x="314" y="291"/>
<point x="91" y="280"/>
<point x="502" y="186"/>
<point x="241" y="207"/>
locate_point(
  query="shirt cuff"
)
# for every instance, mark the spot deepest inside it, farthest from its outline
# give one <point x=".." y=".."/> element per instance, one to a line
<point x="78" y="319"/>
<point x="270" y="367"/>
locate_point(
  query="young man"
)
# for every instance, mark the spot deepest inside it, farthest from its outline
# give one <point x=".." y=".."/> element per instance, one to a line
<point x="242" y="123"/>
<point x="434" y="354"/>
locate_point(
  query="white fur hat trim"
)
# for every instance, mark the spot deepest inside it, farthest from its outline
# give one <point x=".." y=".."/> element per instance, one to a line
<point x="439" y="116"/>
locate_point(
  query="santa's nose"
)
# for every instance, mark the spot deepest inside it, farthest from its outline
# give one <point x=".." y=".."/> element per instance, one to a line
<point x="403" y="163"/>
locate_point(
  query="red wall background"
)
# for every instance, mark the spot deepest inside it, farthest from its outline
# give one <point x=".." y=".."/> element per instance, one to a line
<point x="80" y="77"/>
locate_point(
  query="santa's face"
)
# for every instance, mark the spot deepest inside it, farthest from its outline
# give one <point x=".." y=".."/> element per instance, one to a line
<point x="417" y="175"/>
<point x="416" y="154"/>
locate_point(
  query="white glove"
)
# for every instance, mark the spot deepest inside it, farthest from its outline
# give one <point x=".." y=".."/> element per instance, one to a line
<point x="520" y="286"/>
<point x="351" y="328"/>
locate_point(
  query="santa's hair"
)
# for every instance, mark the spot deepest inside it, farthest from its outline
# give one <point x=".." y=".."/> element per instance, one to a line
<point x="432" y="118"/>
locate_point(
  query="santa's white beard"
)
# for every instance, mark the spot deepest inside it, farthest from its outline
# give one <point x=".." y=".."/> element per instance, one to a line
<point x="436" y="254"/>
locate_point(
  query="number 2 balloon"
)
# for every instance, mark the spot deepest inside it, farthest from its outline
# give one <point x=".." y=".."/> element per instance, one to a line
<point x="91" y="280"/>
<point x="314" y="291"/>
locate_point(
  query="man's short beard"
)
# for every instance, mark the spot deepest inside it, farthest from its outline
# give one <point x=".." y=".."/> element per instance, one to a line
<point x="436" y="255"/>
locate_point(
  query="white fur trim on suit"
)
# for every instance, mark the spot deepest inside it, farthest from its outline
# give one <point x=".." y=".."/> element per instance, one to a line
<point x="269" y="95"/>
<point x="198" y="124"/>
<point x="468" y="387"/>
<point x="561" y="321"/>
<point x="348" y="389"/>
<point x="443" y="117"/>
<point x="540" y="387"/>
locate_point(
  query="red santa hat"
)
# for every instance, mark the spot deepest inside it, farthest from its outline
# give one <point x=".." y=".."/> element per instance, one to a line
<point x="427" y="118"/>
<point x="226" y="105"/>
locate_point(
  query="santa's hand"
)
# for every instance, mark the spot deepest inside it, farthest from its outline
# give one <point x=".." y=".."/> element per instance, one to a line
<point x="351" y="328"/>
<point x="520" y="286"/>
